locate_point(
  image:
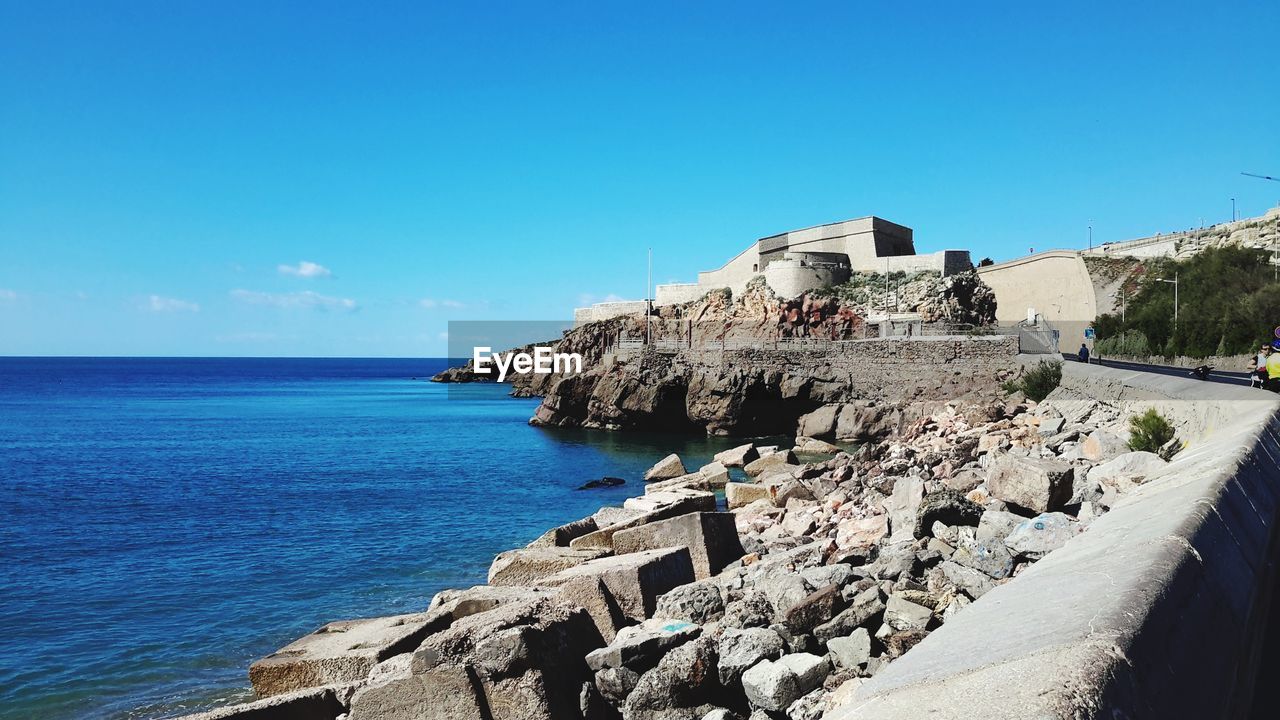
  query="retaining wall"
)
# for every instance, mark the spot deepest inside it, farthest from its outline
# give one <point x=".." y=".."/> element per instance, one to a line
<point x="1158" y="611"/>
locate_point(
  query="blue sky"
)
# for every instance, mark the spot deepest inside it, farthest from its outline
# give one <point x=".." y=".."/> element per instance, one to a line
<point x="167" y="167"/>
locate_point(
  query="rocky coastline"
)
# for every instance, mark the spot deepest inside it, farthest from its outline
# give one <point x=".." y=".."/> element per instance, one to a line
<point x="767" y="584"/>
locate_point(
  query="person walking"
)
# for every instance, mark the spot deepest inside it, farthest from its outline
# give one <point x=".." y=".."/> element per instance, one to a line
<point x="1258" y="367"/>
<point x="1083" y="355"/>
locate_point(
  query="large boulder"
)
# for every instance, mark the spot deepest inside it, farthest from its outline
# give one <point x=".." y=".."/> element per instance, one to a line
<point x="639" y="647"/>
<point x="685" y="680"/>
<point x="665" y="469"/>
<point x="320" y="703"/>
<point x="903" y="507"/>
<point x="648" y="508"/>
<point x="737" y="457"/>
<point x="518" y="661"/>
<point x="1035" y="484"/>
<point x="740" y="649"/>
<point x="772" y="686"/>
<point x="1042" y="534"/>
<point x="712" y="539"/>
<point x="820" y="423"/>
<point x="948" y="507"/>
<point x="852" y="651"/>
<point x="738" y="495"/>
<point x="1103" y="445"/>
<point x="698" y="602"/>
<point x="772" y="461"/>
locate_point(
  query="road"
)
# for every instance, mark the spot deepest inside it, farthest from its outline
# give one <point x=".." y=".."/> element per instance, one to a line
<point x="1228" y="378"/>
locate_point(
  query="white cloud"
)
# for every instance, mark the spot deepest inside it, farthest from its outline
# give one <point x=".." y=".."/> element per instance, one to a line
<point x="431" y="304"/>
<point x="7" y="295"/>
<point x="160" y="304"/>
<point x="304" y="299"/>
<point x="306" y="269"/>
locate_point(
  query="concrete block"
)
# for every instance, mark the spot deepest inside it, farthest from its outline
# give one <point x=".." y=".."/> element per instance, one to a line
<point x="341" y="652"/>
<point x="649" y="508"/>
<point x="742" y="494"/>
<point x="528" y="565"/>
<point x="441" y="693"/>
<point x="623" y="590"/>
<point x="712" y="540"/>
<point x="561" y="536"/>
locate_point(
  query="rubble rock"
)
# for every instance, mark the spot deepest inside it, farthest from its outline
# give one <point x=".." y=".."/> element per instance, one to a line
<point x="667" y="468"/>
<point x="947" y="507"/>
<point x="1032" y="483"/>
<point x="740" y="649"/>
<point x="737" y="457"/>
<point x="1042" y="534"/>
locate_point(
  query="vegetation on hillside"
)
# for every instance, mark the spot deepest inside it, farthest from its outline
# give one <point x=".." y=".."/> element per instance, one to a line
<point x="1228" y="302"/>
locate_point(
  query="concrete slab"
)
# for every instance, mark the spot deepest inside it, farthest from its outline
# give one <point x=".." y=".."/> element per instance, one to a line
<point x="525" y="566"/>
<point x="624" y="589"/>
<point x="342" y="651"/>
<point x="712" y="539"/>
<point x="318" y="703"/>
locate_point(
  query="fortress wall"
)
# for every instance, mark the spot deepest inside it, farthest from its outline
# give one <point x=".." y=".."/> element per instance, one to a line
<point x="1157" y="611"/>
<point x="604" y="311"/>
<point x="677" y="293"/>
<point x="734" y="274"/>
<point x="789" y="278"/>
<point x="944" y="262"/>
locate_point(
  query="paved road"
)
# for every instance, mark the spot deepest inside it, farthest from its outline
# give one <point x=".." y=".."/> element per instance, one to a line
<point x="1228" y="378"/>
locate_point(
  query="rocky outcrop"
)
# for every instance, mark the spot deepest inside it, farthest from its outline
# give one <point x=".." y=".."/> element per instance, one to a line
<point x="818" y="578"/>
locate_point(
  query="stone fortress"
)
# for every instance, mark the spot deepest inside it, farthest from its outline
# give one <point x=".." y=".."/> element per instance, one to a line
<point x="801" y="260"/>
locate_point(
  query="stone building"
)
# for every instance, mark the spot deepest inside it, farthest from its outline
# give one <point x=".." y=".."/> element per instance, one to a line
<point x="800" y="260"/>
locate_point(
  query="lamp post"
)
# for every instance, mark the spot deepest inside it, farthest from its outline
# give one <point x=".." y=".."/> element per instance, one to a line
<point x="1233" y="209"/>
<point x="1174" y="282"/>
<point x="1090" y="236"/>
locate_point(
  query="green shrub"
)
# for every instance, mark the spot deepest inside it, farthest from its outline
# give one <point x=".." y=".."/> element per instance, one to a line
<point x="1149" y="432"/>
<point x="1037" y="382"/>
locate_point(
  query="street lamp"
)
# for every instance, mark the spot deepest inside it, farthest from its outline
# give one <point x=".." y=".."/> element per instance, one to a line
<point x="1090" y="236"/>
<point x="1233" y="209"/>
<point x="1174" y="282"/>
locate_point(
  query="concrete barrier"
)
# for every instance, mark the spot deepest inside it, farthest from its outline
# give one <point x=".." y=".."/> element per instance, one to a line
<point x="1158" y="611"/>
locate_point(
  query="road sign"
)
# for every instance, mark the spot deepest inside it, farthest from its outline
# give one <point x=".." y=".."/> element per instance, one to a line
<point x="1089" y="333"/>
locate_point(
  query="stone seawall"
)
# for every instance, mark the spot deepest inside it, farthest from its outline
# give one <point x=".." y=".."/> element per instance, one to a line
<point x="1156" y="612"/>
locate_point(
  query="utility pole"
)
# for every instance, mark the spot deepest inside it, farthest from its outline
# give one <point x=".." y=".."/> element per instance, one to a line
<point x="1090" y="235"/>
<point x="648" y="300"/>
<point x="1233" y="209"/>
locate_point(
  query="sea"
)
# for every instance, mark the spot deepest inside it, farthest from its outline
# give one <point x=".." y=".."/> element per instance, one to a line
<point x="166" y="521"/>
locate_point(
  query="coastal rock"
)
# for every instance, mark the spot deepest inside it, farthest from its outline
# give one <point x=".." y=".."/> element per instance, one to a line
<point x="1042" y="534"/>
<point x="947" y="507"/>
<point x="1032" y="483"/>
<point x="851" y="652"/>
<point x="738" y="495"/>
<point x="902" y="614"/>
<point x="667" y="468"/>
<point x="638" y="647"/>
<point x="903" y="507"/>
<point x="684" y="678"/>
<point x="771" y="461"/>
<point x="737" y="457"/>
<point x="1103" y="445"/>
<point x="741" y="649"/>
<point x="698" y="602"/>
<point x="814" y="447"/>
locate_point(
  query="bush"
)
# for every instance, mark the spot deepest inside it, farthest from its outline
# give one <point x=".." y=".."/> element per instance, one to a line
<point x="1149" y="432"/>
<point x="1037" y="382"/>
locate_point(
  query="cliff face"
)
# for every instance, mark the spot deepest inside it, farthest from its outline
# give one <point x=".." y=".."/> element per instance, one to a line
<point x="749" y="364"/>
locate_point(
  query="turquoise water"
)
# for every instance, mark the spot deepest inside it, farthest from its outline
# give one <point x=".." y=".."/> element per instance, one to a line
<point x="164" y="522"/>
